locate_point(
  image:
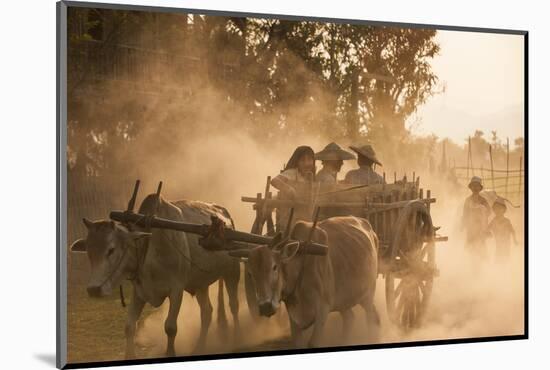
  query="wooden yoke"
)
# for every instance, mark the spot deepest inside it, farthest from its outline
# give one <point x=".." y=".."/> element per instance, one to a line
<point x="205" y="230"/>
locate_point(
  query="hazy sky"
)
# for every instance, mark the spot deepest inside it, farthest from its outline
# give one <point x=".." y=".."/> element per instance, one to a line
<point x="483" y="75"/>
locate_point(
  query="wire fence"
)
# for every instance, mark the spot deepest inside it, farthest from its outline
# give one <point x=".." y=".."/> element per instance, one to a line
<point x="91" y="197"/>
<point x="507" y="182"/>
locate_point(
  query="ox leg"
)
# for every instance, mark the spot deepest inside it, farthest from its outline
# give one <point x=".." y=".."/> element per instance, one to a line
<point x="296" y="333"/>
<point x="318" y="327"/>
<point x="206" y="317"/>
<point x="347" y="319"/>
<point x="171" y="323"/>
<point x="232" y="285"/>
<point x="373" y="320"/>
<point x="222" y="318"/>
<point x="134" y="312"/>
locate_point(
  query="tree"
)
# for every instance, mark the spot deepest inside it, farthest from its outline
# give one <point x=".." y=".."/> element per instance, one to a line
<point x="402" y="55"/>
<point x="286" y="78"/>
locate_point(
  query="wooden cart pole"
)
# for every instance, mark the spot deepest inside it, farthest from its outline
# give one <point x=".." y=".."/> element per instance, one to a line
<point x="257" y="206"/>
<point x="394" y="214"/>
<point x="159" y="189"/>
<point x="270" y="226"/>
<point x="132" y="201"/>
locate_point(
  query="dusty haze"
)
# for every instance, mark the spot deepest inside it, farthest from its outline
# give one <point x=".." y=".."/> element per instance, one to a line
<point x="466" y="301"/>
<point x="202" y="146"/>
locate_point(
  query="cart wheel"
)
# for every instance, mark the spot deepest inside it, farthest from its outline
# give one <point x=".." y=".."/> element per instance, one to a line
<point x="250" y="290"/>
<point x="409" y="280"/>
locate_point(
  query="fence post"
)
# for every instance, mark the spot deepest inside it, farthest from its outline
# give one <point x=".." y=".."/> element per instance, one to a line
<point x="492" y="168"/>
<point x="507" y="164"/>
<point x="468" y="160"/>
<point x="520" y="177"/>
<point x="471" y="156"/>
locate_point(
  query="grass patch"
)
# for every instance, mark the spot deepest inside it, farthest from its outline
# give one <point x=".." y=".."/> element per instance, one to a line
<point x="95" y="329"/>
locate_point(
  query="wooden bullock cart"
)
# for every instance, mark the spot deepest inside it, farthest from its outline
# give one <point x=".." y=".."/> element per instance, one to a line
<point x="399" y="214"/>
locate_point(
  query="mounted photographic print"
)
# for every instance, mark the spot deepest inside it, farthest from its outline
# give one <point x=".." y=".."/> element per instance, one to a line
<point x="236" y="185"/>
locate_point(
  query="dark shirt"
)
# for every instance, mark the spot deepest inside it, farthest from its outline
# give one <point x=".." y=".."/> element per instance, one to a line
<point x="364" y="175"/>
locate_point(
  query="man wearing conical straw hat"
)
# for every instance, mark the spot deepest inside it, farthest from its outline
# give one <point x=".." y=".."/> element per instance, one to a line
<point x="332" y="157"/>
<point x="365" y="174"/>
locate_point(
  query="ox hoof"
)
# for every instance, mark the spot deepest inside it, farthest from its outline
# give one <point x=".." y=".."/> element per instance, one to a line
<point x="224" y="333"/>
<point x="199" y="348"/>
<point x="237" y="335"/>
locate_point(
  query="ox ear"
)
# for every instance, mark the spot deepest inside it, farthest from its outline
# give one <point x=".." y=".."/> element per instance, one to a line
<point x="289" y="251"/>
<point x="79" y="246"/>
<point x="239" y="253"/>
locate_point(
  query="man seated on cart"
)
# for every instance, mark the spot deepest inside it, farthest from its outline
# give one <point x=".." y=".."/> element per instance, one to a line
<point x="299" y="171"/>
<point x="332" y="157"/>
<point x="365" y="174"/>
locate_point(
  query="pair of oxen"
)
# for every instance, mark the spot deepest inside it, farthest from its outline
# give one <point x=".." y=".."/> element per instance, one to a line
<point x="164" y="263"/>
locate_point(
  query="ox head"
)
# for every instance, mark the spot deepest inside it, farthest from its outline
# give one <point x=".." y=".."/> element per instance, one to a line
<point x="270" y="267"/>
<point x="109" y="247"/>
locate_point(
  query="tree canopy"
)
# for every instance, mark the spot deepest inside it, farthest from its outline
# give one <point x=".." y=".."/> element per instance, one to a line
<point x="130" y="71"/>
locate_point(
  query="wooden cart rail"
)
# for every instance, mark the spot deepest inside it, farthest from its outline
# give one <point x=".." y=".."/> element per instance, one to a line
<point x="399" y="213"/>
<point x="378" y="206"/>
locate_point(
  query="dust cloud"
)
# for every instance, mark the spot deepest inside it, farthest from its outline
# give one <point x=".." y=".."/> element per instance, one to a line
<point x="201" y="148"/>
<point x="469" y="299"/>
<point x="220" y="166"/>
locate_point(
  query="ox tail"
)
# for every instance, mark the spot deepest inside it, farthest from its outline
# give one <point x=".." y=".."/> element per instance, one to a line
<point x="222" y="318"/>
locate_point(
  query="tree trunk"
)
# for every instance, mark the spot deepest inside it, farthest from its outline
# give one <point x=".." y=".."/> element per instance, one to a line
<point x="353" y="113"/>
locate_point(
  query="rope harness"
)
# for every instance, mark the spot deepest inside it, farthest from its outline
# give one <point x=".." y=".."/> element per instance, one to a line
<point x="290" y="297"/>
<point x="140" y="256"/>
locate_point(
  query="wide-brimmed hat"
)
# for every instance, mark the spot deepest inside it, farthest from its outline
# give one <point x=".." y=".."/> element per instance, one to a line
<point x="366" y="151"/>
<point x="333" y="152"/>
<point x="475" y="180"/>
<point x="501" y="202"/>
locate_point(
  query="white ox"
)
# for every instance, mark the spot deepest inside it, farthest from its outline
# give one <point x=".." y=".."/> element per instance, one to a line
<point x="313" y="286"/>
<point x="161" y="264"/>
